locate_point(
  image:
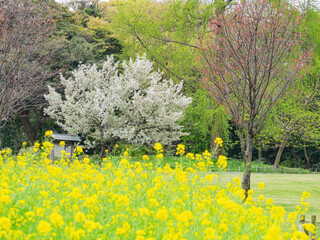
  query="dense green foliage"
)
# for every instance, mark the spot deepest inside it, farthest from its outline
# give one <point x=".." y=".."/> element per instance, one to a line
<point x="169" y="33"/>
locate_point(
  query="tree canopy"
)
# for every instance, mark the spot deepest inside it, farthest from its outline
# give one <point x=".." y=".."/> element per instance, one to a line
<point x="136" y="105"/>
<point x="250" y="58"/>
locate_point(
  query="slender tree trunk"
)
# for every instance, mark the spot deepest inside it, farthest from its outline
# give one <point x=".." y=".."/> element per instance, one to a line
<point x="112" y="144"/>
<point x="281" y="148"/>
<point x="31" y="130"/>
<point x="103" y="151"/>
<point x="260" y="153"/>
<point x="307" y="159"/>
<point x="214" y="135"/>
<point x="247" y="163"/>
<point x="242" y="143"/>
<point x="103" y="144"/>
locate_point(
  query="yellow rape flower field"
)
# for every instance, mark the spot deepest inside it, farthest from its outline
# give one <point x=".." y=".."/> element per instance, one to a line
<point x="76" y="199"/>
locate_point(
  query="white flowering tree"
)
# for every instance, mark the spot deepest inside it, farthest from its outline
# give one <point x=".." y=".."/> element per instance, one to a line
<point x="137" y="105"/>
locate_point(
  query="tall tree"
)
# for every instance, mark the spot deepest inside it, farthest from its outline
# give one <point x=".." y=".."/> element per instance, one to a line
<point x="250" y="58"/>
<point x="82" y="38"/>
<point x="25" y="27"/>
<point x="297" y="112"/>
<point x="168" y="32"/>
<point x="137" y="105"/>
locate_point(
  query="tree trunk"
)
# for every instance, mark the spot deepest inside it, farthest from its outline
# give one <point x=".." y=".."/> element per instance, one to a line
<point x="214" y="135"/>
<point x="213" y="145"/>
<point x="103" y="145"/>
<point x="247" y="164"/>
<point x="280" y="151"/>
<point x="307" y="159"/>
<point x="31" y="130"/>
<point x="103" y="151"/>
<point x="260" y="153"/>
<point x="112" y="144"/>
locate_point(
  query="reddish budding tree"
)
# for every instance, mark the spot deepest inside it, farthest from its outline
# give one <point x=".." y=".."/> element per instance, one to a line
<point x="250" y="57"/>
<point x="25" y="27"/>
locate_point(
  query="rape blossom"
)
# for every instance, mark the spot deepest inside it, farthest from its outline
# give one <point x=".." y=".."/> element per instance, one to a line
<point x="72" y="198"/>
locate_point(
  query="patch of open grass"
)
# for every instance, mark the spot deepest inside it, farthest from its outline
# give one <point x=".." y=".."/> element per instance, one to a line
<point x="234" y="165"/>
<point x="284" y="189"/>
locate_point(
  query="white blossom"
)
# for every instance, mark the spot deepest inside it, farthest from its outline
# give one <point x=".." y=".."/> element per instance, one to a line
<point x="137" y="105"/>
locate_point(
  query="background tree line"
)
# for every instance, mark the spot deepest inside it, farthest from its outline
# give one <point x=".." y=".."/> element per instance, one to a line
<point x="169" y="32"/>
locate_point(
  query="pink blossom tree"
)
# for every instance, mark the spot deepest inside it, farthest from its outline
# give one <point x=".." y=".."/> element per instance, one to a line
<point x="250" y="57"/>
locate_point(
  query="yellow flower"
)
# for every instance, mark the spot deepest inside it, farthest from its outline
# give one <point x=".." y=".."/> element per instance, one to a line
<point x="198" y="157"/>
<point x="222" y="162"/>
<point x="261" y="185"/>
<point x="306" y="194"/>
<point x="8" y="151"/>
<point x="274" y="233"/>
<point x="91" y="225"/>
<point x="78" y="150"/>
<point x="210" y="177"/>
<point x="236" y="181"/>
<point x="30" y="215"/>
<point x="47" y="144"/>
<point x="309" y="227"/>
<point x="63" y="201"/>
<point x="5" y="199"/>
<point x="210" y="233"/>
<point x="261" y="198"/>
<point x="62" y="143"/>
<point x="218" y="141"/>
<point x="269" y="201"/>
<point x="190" y="155"/>
<point x="48" y="133"/>
<point x="145" y="158"/>
<point x="162" y="214"/>
<point x="140" y="232"/>
<point x="180" y="149"/>
<point x="158" y="147"/>
<point x="160" y="155"/>
<point x="24" y="144"/>
<point x="5" y="224"/>
<point x="80" y="217"/>
<point x="86" y="160"/>
<point x="75" y="234"/>
<point x="56" y="219"/>
<point x="223" y="228"/>
<point x="299" y="236"/>
<point x="206" y="153"/>
<point x="124" y="229"/>
<point x="44" y="228"/>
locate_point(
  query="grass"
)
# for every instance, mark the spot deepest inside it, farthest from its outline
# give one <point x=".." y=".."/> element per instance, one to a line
<point x="284" y="189"/>
<point x="233" y="165"/>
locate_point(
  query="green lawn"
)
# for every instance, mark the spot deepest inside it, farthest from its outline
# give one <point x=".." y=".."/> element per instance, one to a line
<point x="285" y="189"/>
